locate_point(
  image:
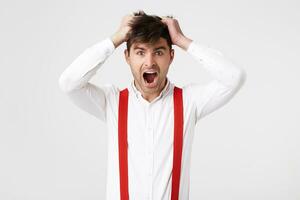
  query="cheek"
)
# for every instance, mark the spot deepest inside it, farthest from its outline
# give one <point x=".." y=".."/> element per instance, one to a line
<point x="164" y="65"/>
<point x="135" y="68"/>
<point x="134" y="60"/>
<point x="136" y="63"/>
<point x="165" y="59"/>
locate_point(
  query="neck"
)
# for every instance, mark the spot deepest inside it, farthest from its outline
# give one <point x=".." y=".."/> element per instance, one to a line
<point x="152" y="95"/>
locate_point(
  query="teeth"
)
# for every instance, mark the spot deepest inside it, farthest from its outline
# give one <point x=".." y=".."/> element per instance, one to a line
<point x="150" y="72"/>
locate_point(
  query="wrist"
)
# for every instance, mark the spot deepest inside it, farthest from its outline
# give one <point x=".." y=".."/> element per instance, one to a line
<point x="184" y="42"/>
<point x="116" y="39"/>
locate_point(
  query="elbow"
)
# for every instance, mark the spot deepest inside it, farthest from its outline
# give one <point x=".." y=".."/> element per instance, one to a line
<point x="63" y="84"/>
<point x="239" y="78"/>
<point x="68" y="84"/>
<point x="242" y="75"/>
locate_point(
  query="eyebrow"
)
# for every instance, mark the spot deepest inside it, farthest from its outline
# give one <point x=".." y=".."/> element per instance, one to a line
<point x="157" y="48"/>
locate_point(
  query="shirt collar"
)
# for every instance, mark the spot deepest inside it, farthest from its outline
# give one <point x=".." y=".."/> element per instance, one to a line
<point x="162" y="93"/>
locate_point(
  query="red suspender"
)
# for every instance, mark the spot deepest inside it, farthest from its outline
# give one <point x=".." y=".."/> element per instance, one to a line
<point x="177" y="145"/>
<point x="122" y="138"/>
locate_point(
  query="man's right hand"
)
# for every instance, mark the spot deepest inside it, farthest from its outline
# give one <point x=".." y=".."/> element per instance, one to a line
<point x="122" y="33"/>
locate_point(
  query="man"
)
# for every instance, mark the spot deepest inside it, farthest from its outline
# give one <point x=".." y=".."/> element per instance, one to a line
<point x="145" y="166"/>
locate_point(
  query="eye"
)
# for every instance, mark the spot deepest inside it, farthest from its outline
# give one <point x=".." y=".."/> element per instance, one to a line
<point x="160" y="53"/>
<point x="140" y="53"/>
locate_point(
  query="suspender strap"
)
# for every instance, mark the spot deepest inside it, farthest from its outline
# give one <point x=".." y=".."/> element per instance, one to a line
<point x="122" y="139"/>
<point x="177" y="145"/>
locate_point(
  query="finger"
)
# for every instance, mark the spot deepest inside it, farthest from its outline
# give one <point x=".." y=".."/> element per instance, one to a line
<point x="164" y="21"/>
<point x="165" y="17"/>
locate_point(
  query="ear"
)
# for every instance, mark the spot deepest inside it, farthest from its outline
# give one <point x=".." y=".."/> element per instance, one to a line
<point x="172" y="51"/>
<point x="126" y="54"/>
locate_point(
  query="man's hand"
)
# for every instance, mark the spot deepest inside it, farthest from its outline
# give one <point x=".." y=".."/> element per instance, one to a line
<point x="121" y="35"/>
<point x="176" y="34"/>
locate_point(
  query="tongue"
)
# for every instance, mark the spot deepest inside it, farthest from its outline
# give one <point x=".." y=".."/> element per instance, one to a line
<point x="149" y="77"/>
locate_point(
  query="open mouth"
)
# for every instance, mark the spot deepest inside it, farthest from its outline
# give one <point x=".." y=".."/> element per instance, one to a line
<point x="149" y="77"/>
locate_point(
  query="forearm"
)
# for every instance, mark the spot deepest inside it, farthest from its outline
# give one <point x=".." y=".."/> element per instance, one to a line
<point x="227" y="79"/>
<point x="84" y="67"/>
<point x="219" y="66"/>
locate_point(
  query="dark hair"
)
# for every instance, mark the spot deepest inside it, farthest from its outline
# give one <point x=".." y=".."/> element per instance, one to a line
<point x="147" y="29"/>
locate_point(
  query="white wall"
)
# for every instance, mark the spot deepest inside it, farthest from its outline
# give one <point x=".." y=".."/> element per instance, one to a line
<point x="248" y="149"/>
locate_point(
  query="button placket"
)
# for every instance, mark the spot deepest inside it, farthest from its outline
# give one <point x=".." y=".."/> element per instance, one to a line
<point x="150" y="139"/>
<point x="150" y="133"/>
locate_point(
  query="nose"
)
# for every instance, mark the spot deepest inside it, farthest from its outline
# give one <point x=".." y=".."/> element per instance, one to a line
<point x="149" y="60"/>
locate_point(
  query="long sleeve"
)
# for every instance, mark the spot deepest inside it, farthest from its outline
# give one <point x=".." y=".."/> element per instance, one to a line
<point x="74" y="81"/>
<point x="227" y="80"/>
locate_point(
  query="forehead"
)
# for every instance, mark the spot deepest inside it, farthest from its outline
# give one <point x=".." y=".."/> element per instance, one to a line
<point x="161" y="43"/>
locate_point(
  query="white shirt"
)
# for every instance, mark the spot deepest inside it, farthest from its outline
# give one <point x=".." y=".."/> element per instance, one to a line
<point x="150" y="125"/>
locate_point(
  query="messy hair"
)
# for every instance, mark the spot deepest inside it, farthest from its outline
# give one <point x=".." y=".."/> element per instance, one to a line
<point x="147" y="29"/>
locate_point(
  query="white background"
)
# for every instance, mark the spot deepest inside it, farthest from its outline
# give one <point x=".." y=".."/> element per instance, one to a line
<point x="248" y="149"/>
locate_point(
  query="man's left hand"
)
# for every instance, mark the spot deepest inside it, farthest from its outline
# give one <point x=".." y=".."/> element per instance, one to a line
<point x="177" y="37"/>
